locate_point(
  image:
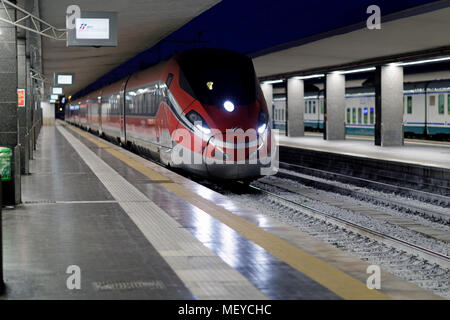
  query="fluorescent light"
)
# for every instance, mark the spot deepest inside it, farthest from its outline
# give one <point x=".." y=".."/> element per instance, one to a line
<point x="273" y="81"/>
<point x="310" y="76"/>
<point x="357" y="70"/>
<point x="423" y="61"/>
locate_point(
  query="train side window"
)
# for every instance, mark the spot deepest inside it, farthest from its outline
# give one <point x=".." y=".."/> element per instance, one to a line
<point x="314" y="107"/>
<point x="169" y="80"/>
<point x="141" y="103"/>
<point x="348" y="115"/>
<point x="366" y="116"/>
<point x="359" y="115"/>
<point x="448" y="103"/>
<point x="354" y="115"/>
<point x="322" y="107"/>
<point x="432" y="101"/>
<point x="372" y="116"/>
<point x="306" y="106"/>
<point x="153" y="104"/>
<point x="441" y="104"/>
<point x="309" y="107"/>
<point x="409" y="105"/>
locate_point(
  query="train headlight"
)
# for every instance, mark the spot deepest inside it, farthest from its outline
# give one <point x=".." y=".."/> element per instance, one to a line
<point x="263" y="121"/>
<point x="229" y="106"/>
<point x="203" y="129"/>
<point x="262" y="128"/>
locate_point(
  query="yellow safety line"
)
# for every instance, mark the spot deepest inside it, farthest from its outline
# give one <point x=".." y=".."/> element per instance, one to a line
<point x="330" y="277"/>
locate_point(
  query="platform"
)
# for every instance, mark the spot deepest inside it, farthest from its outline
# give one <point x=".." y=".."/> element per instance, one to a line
<point x="431" y="154"/>
<point x="139" y="231"/>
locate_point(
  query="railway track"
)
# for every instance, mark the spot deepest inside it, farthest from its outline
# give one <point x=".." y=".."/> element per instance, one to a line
<point x="412" y="248"/>
<point x="380" y="199"/>
<point x="409" y="254"/>
<point x="425" y="267"/>
<point x="442" y="200"/>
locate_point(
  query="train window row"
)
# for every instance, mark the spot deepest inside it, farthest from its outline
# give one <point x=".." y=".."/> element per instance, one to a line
<point x="279" y="115"/>
<point x="441" y="102"/>
<point x="111" y="105"/>
<point x="144" y="101"/>
<point x="310" y="106"/>
<point x="361" y="115"/>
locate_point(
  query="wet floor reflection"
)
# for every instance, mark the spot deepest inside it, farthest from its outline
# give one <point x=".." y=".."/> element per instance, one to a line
<point x="274" y="278"/>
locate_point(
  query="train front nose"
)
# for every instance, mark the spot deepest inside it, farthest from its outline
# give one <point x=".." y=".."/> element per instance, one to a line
<point x="235" y="156"/>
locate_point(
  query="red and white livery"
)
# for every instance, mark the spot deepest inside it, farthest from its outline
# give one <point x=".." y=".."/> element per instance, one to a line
<point x="202" y="110"/>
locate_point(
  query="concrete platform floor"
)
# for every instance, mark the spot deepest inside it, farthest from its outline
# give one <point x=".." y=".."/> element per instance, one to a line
<point x="138" y="231"/>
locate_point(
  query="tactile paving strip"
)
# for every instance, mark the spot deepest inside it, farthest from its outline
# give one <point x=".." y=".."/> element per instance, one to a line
<point x="206" y="278"/>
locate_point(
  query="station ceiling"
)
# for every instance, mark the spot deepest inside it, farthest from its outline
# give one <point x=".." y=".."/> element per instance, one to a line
<point x="142" y="23"/>
<point x="418" y="33"/>
<point x="281" y="36"/>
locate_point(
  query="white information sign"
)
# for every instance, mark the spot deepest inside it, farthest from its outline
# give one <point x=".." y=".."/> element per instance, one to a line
<point x="90" y="28"/>
<point x="64" y="79"/>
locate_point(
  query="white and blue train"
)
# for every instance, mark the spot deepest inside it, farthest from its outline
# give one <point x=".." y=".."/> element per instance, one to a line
<point x="426" y="110"/>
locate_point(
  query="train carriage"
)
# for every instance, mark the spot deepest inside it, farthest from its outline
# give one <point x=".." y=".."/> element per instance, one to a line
<point x="426" y="110"/>
<point x="202" y="104"/>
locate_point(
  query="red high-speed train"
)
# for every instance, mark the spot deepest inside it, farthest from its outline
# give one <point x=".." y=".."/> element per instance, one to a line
<point x="202" y="110"/>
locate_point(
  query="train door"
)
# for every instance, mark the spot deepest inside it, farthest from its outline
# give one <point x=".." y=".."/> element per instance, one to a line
<point x="447" y="122"/>
<point x="122" y="123"/>
<point x="434" y="112"/>
<point x="99" y="112"/>
<point x="123" y="133"/>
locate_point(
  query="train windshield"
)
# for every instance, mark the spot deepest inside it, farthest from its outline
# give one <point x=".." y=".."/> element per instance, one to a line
<point x="214" y="77"/>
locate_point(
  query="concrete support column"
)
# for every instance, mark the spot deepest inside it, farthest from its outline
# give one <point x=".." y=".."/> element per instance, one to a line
<point x="22" y="111"/>
<point x="8" y="106"/>
<point x="295" y="101"/>
<point x="334" y="128"/>
<point x="29" y="110"/>
<point x="48" y="111"/>
<point x="389" y="106"/>
<point x="267" y="89"/>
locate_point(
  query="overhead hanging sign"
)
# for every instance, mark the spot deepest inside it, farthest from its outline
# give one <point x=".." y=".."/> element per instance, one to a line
<point x="21" y="97"/>
<point x="64" y="79"/>
<point x="57" y="90"/>
<point x="93" y="29"/>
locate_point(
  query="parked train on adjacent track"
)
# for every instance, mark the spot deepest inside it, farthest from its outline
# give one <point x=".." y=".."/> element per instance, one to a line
<point x="201" y="108"/>
<point x="426" y="110"/>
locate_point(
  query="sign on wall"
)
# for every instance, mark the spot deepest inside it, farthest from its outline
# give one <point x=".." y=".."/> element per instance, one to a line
<point x="21" y="98"/>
